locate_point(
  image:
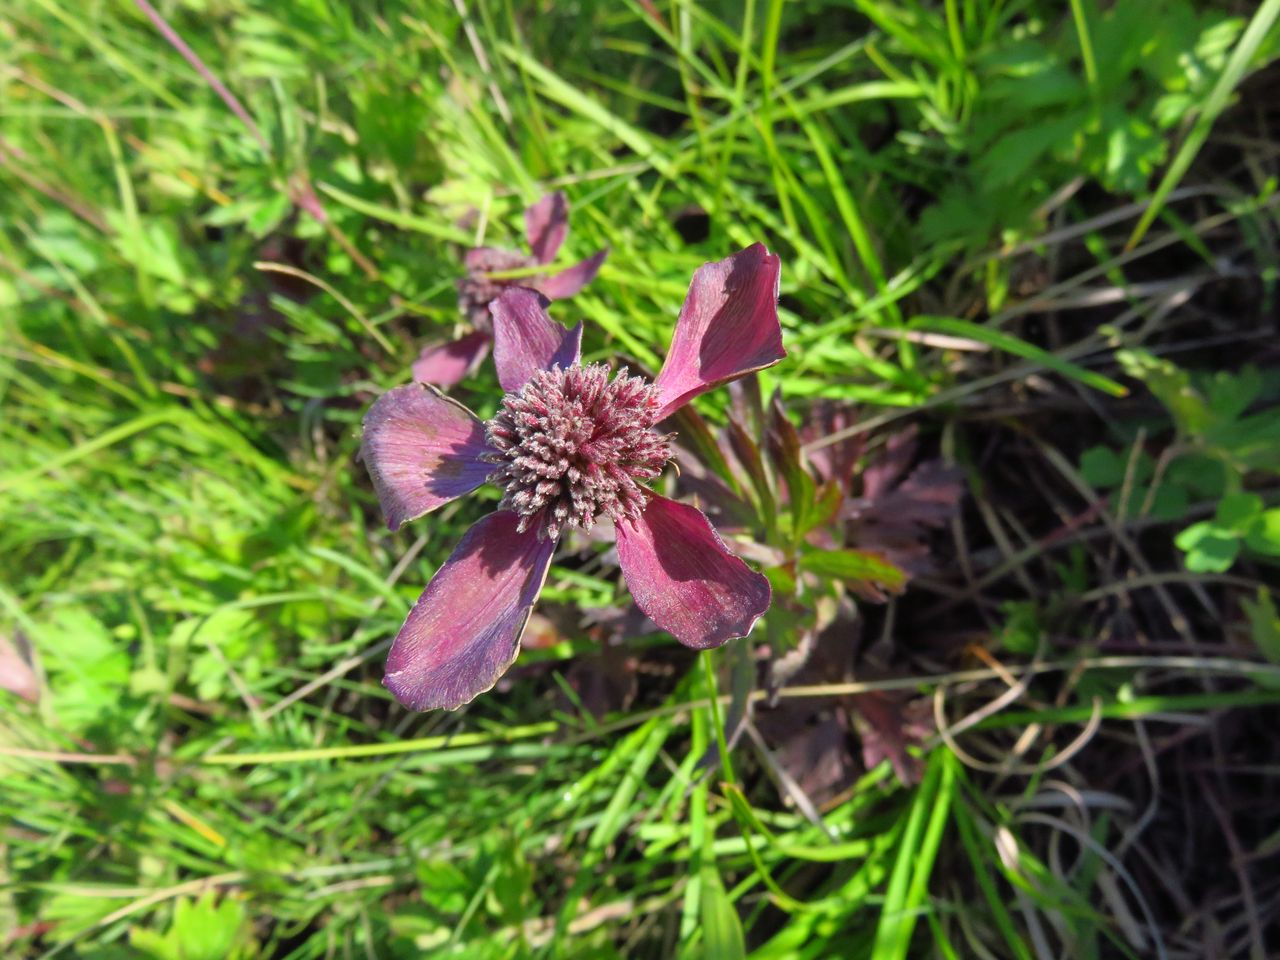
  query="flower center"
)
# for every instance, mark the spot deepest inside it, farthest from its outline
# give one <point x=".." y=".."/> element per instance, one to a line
<point x="476" y="291"/>
<point x="573" y="445"/>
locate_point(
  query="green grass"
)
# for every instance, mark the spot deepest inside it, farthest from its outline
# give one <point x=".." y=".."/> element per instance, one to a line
<point x="194" y="554"/>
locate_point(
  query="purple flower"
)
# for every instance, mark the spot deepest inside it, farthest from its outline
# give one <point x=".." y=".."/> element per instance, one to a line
<point x="568" y="446"/>
<point x="546" y="225"/>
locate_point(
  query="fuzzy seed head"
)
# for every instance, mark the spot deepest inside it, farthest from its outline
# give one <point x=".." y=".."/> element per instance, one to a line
<point x="574" y="445"/>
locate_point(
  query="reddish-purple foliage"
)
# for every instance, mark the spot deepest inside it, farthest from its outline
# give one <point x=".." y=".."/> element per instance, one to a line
<point x="546" y="226"/>
<point x="17" y="674"/>
<point x="568" y="447"/>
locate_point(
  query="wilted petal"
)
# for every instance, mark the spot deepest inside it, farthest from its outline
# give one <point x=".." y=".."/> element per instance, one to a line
<point x="526" y="340"/>
<point x="572" y="279"/>
<point x="545" y="224"/>
<point x="464" y="631"/>
<point x="422" y="450"/>
<point x="445" y="364"/>
<point x="728" y="326"/>
<point x="683" y="576"/>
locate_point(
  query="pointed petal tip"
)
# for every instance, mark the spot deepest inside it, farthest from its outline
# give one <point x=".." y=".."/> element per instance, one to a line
<point x="546" y="224"/>
<point x="728" y="326"/>
<point x="572" y="279"/>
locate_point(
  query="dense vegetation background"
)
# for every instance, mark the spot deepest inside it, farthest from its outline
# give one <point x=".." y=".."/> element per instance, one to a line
<point x="1043" y="235"/>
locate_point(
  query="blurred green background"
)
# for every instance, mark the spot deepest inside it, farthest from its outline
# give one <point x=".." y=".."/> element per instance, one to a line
<point x="1044" y="232"/>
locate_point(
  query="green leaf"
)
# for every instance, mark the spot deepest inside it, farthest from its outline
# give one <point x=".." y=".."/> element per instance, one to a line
<point x="1022" y="627"/>
<point x="1237" y="511"/>
<point x="854" y="565"/>
<point x="1241" y="59"/>
<point x="1202" y="476"/>
<point x="1172" y="386"/>
<point x="443" y="886"/>
<point x="1231" y="393"/>
<point x="1019" y="348"/>
<point x="152" y="945"/>
<point x="722" y="937"/>
<point x="1011" y="157"/>
<point x="203" y="931"/>
<point x="88" y="669"/>
<point x="1209" y="548"/>
<point x="1170" y="502"/>
<point x="1264" y="622"/>
<point x="1102" y="467"/>
<point x="781" y="579"/>
<point x="1263" y="535"/>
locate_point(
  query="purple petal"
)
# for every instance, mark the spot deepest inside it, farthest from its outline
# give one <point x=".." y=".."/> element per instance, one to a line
<point x="464" y="631"/>
<point x="728" y="326"/>
<point x="422" y="450"/>
<point x="493" y="259"/>
<point x="526" y="340"/>
<point x="572" y="279"/>
<point x="683" y="576"/>
<point x="545" y="224"/>
<point x="444" y="364"/>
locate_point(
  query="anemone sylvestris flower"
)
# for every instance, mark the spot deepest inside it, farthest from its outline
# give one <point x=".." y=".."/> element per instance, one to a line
<point x="546" y="225"/>
<point x="568" y="446"/>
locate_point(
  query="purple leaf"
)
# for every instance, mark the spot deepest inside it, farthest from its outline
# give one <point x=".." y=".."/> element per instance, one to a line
<point x="16" y="673"/>
<point x="817" y="758"/>
<point x="683" y="576"/>
<point x="464" y="631"/>
<point x="895" y="518"/>
<point x="422" y="450"/>
<point x="833" y="462"/>
<point x="545" y="224"/>
<point x="572" y="279"/>
<point x="526" y="340"/>
<point x="888" y="724"/>
<point x="444" y="364"/>
<point x="890" y="465"/>
<point x="728" y="326"/>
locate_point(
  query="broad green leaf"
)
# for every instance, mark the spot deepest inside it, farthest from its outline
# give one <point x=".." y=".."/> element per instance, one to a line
<point x="1238" y="511"/>
<point x="854" y="565"/>
<point x="722" y="937"/>
<point x="1264" y="622"/>
<point x="1263" y="534"/>
<point x="1102" y="467"/>
<point x="1208" y="547"/>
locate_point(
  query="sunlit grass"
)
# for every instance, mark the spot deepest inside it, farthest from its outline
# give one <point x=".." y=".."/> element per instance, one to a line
<point x="192" y="549"/>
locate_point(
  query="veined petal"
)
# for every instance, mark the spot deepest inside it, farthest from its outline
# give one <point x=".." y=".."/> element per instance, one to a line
<point x="546" y="224"/>
<point x="444" y="364"/>
<point x="728" y="326"/>
<point x="526" y="340"/>
<point x="422" y="450"/>
<point x="464" y="631"/>
<point x="572" y="279"/>
<point x="683" y="576"/>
